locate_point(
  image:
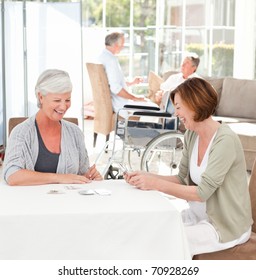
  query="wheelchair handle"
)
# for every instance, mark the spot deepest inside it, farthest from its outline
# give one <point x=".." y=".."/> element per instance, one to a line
<point x="149" y="108"/>
<point x="153" y="114"/>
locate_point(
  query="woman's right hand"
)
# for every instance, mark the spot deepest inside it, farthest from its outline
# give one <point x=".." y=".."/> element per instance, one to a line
<point x="73" y="179"/>
<point x="25" y="177"/>
<point x="142" y="180"/>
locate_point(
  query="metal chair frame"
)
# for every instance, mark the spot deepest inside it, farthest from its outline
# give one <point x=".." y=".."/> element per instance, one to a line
<point x="151" y="143"/>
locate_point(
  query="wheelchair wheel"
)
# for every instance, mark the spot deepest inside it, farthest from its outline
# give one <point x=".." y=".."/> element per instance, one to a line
<point x="163" y="153"/>
<point x="134" y="158"/>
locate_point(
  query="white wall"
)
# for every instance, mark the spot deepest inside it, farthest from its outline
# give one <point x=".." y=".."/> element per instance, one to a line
<point x="51" y="39"/>
<point x="245" y="38"/>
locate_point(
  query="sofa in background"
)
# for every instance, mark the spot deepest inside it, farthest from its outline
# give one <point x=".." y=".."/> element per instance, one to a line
<point x="237" y="102"/>
<point x="237" y="107"/>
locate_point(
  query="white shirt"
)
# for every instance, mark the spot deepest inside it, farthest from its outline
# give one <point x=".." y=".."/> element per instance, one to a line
<point x="116" y="82"/>
<point x="198" y="209"/>
<point x="175" y="80"/>
<point x="115" y="77"/>
<point x="170" y="84"/>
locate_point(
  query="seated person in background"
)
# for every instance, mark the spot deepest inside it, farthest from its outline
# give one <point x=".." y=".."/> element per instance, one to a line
<point x="212" y="174"/>
<point x="188" y="70"/>
<point x="162" y="97"/>
<point x="45" y="149"/>
<point x="114" y="43"/>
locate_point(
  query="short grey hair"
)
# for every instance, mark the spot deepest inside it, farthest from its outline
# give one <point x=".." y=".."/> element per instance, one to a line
<point x="113" y="38"/>
<point x="52" y="81"/>
<point x="194" y="58"/>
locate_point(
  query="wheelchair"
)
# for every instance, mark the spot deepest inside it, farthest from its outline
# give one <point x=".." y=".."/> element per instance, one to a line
<point x="147" y="139"/>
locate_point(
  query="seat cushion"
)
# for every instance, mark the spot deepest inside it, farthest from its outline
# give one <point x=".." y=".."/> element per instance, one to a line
<point x="247" y="135"/>
<point x="238" y="98"/>
<point x="246" y="251"/>
<point x="217" y="83"/>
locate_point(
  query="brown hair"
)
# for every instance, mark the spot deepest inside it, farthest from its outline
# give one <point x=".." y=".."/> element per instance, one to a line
<point x="199" y="96"/>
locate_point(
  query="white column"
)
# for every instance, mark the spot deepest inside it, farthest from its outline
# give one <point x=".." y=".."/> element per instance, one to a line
<point x="245" y="37"/>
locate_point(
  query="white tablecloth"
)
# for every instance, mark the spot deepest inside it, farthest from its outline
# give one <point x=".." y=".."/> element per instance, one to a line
<point x="128" y="224"/>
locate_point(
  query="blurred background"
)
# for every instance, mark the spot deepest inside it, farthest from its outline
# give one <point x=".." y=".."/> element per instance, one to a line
<point x="36" y="35"/>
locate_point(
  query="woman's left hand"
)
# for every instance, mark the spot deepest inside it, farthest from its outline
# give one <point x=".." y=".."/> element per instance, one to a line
<point x="93" y="174"/>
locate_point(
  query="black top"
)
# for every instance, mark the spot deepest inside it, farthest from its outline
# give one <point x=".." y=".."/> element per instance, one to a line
<point x="46" y="160"/>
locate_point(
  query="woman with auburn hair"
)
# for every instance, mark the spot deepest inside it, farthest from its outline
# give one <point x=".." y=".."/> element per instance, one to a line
<point x="212" y="173"/>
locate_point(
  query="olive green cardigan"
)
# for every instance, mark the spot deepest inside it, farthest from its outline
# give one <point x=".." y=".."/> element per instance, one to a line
<point x="224" y="184"/>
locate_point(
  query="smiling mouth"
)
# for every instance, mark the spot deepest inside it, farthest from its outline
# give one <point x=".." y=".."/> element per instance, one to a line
<point x="59" y="113"/>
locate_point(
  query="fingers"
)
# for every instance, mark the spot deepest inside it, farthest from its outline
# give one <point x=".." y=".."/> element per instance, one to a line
<point x="97" y="176"/>
<point x="93" y="173"/>
<point x="82" y="180"/>
<point x="138" y="180"/>
<point x="138" y="80"/>
<point x="133" y="178"/>
<point x="129" y="175"/>
<point x="74" y="179"/>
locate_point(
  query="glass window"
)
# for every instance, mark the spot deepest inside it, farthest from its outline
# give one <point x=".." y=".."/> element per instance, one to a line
<point x="92" y="13"/>
<point x="144" y="49"/>
<point x="144" y="13"/>
<point x="170" y="49"/>
<point x="171" y="12"/>
<point x="117" y="13"/>
<point x="224" y="12"/>
<point x="222" y="52"/>
<point x="124" y="56"/>
<point x="159" y="32"/>
<point x="195" y="13"/>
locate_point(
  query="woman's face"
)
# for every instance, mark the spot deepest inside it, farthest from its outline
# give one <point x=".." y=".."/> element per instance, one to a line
<point x="185" y="114"/>
<point x="55" y="105"/>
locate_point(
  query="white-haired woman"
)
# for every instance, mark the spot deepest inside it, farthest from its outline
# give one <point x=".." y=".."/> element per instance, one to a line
<point x="46" y="149"/>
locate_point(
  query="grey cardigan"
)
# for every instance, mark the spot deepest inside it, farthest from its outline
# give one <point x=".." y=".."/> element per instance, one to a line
<point x="22" y="149"/>
<point x="224" y="184"/>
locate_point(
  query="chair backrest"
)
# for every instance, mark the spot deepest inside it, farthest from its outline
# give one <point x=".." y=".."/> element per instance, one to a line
<point x="252" y="189"/>
<point x="17" y="120"/>
<point x="167" y="74"/>
<point x="14" y="121"/>
<point x="154" y="82"/>
<point x="104" y="117"/>
<point x="72" y="120"/>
